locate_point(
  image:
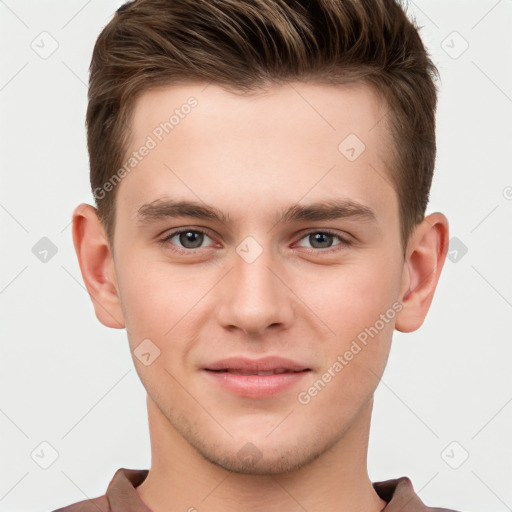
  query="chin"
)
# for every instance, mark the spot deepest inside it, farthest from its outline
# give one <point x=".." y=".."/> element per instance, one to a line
<point x="250" y="460"/>
<point x="259" y="454"/>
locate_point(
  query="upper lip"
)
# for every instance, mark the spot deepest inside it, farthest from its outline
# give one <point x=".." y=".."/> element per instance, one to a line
<point x="263" y="364"/>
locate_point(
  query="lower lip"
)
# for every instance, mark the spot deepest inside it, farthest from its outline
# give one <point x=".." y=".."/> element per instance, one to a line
<point x="257" y="386"/>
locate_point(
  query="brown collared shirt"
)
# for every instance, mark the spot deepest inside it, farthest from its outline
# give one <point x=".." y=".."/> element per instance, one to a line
<point x="122" y="496"/>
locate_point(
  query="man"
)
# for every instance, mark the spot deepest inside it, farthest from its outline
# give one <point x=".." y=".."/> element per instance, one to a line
<point x="261" y="170"/>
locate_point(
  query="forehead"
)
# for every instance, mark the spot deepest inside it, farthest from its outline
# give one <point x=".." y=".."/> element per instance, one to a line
<point x="322" y="109"/>
<point x="287" y="141"/>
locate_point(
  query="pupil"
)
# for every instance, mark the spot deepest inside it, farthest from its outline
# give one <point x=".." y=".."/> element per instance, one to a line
<point x="321" y="238"/>
<point x="194" y="238"/>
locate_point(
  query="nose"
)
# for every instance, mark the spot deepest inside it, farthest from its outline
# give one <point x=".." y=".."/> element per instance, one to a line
<point x="254" y="297"/>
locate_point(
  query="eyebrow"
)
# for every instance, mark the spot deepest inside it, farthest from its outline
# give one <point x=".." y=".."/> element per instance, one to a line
<point x="332" y="209"/>
<point x="162" y="209"/>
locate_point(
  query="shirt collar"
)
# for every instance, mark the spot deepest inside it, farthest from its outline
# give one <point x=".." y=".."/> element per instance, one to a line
<point x="123" y="496"/>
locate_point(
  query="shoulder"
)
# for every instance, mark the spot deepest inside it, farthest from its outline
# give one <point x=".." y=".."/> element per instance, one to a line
<point x="121" y="495"/>
<point x="99" y="504"/>
<point x="399" y="492"/>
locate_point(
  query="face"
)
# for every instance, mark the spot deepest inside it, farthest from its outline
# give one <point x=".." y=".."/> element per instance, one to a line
<point x="257" y="227"/>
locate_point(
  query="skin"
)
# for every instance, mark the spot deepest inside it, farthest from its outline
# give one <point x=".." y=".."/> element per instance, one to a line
<point x="251" y="157"/>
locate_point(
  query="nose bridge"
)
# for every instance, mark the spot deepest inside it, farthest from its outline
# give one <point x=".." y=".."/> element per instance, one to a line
<point x="252" y="297"/>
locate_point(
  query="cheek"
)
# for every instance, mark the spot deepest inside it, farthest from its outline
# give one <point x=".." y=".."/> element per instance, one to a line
<point x="158" y="306"/>
<point x="352" y="297"/>
<point x="161" y="302"/>
<point x="150" y="299"/>
<point x="363" y="321"/>
<point x="140" y="305"/>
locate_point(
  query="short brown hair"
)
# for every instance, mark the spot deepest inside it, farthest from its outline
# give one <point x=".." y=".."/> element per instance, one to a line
<point x="247" y="44"/>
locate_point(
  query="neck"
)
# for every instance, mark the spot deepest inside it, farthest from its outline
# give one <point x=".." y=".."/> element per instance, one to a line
<point x="182" y="479"/>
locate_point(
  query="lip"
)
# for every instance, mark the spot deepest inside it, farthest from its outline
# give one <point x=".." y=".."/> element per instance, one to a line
<point x="231" y="374"/>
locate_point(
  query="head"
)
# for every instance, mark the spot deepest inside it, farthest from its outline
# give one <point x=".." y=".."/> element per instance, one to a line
<point x="280" y="120"/>
<point x="247" y="46"/>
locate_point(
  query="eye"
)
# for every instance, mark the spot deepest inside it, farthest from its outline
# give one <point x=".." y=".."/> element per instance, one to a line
<point x="187" y="238"/>
<point x="323" y="240"/>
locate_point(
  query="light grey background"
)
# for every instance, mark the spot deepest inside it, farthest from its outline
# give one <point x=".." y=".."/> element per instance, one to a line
<point x="69" y="381"/>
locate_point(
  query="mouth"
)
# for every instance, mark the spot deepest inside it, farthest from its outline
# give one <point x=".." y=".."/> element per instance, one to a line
<point x="256" y="378"/>
<point x="277" y="371"/>
<point x="264" y="366"/>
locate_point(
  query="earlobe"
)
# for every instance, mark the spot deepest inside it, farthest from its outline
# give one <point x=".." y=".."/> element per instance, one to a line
<point x="425" y="257"/>
<point x="96" y="264"/>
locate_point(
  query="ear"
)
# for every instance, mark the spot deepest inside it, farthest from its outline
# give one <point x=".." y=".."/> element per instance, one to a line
<point x="97" y="265"/>
<point x="424" y="260"/>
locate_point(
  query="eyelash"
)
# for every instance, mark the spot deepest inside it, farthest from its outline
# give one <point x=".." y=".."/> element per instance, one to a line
<point x="343" y="241"/>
